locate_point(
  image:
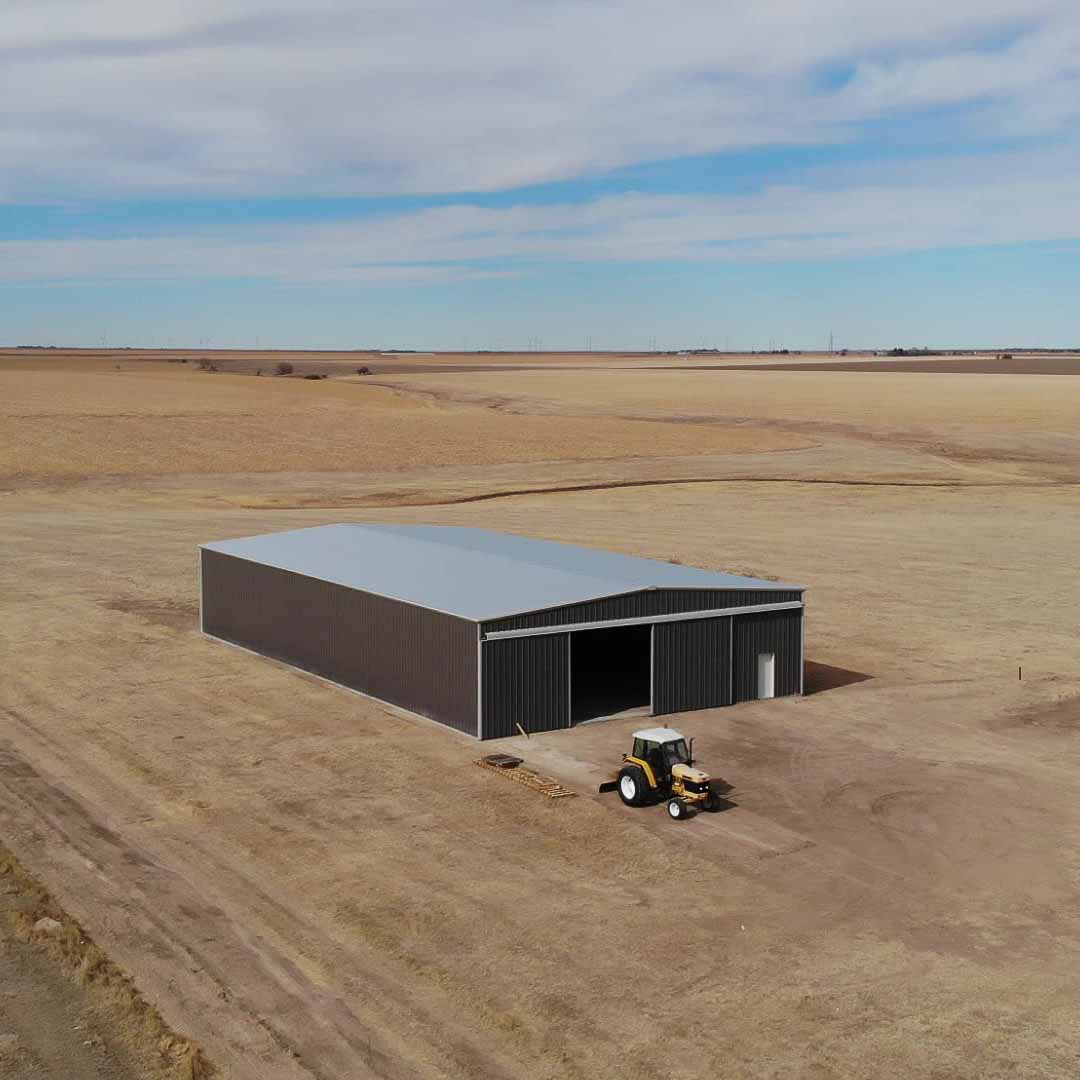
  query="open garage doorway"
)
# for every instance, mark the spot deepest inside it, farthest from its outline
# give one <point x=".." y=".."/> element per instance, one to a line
<point x="610" y="672"/>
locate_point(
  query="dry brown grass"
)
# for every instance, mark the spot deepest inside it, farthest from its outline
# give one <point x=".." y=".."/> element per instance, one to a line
<point x="868" y="400"/>
<point x="154" y="422"/>
<point x="133" y="1019"/>
<point x="894" y="894"/>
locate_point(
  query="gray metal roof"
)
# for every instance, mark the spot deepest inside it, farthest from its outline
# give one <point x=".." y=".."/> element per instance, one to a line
<point x="475" y="574"/>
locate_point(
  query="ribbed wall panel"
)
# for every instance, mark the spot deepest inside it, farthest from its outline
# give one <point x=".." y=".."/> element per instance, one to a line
<point x="777" y="632"/>
<point x="527" y="682"/>
<point x="691" y="665"/>
<point x="643" y="604"/>
<point x="406" y="655"/>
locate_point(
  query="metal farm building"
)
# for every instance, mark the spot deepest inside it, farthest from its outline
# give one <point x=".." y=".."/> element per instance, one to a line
<point x="485" y="631"/>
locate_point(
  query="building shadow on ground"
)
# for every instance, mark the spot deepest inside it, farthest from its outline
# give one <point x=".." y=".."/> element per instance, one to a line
<point x="820" y="677"/>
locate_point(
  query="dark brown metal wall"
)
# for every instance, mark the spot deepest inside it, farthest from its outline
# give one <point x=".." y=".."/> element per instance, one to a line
<point x="777" y="632"/>
<point x="691" y="665"/>
<point x="527" y="682"/>
<point x="410" y="656"/>
<point x="643" y="604"/>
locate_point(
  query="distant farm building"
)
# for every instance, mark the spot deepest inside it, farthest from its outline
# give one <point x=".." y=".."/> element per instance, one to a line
<point x="485" y="631"/>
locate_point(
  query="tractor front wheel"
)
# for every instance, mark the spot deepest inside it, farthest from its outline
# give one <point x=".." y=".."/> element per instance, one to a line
<point x="633" y="789"/>
<point x="678" y="809"/>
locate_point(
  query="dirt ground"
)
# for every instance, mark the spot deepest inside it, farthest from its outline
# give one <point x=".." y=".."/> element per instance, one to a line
<point x="65" y="1010"/>
<point x="46" y="1028"/>
<point x="313" y="885"/>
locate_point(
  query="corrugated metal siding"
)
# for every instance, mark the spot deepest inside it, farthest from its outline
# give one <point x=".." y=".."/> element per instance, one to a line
<point x="691" y="665"/>
<point x="526" y="682"/>
<point x="643" y="604"/>
<point x="409" y="656"/>
<point x="778" y="632"/>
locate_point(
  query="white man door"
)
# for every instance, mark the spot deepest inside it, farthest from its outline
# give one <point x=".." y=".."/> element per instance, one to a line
<point x="766" y="675"/>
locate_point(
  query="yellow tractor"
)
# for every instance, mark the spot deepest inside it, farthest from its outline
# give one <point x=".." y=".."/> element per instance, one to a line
<point x="662" y="767"/>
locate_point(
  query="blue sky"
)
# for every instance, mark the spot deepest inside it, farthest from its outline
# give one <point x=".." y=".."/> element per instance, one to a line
<point x="488" y="175"/>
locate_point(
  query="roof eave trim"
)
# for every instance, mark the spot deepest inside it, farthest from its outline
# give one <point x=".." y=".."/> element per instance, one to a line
<point x="777" y="587"/>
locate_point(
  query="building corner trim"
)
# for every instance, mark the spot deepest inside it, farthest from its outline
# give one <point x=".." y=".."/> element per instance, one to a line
<point x="479" y="682"/>
<point x="802" y="648"/>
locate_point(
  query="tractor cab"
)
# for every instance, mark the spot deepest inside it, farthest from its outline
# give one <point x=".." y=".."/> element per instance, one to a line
<point x="662" y="748"/>
<point x="662" y="767"/>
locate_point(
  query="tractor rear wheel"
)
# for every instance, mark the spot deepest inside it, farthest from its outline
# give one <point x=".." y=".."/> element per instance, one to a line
<point x="678" y="809"/>
<point x="633" y="788"/>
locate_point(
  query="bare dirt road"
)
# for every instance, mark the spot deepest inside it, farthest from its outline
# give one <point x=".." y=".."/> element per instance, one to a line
<point x="311" y="884"/>
<point x="65" y="1009"/>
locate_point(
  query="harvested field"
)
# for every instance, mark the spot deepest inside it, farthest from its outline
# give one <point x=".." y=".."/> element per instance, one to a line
<point x="314" y="885"/>
<point x="1039" y="364"/>
<point x="65" y="425"/>
<point x="878" y="402"/>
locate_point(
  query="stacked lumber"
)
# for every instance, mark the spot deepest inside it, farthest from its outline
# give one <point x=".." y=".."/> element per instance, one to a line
<point x="546" y="785"/>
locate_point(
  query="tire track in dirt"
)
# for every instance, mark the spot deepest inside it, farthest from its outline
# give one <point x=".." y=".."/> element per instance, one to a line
<point x="100" y="849"/>
<point x="308" y="1023"/>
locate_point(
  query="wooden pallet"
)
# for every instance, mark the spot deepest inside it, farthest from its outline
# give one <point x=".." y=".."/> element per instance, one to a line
<point x="546" y="785"/>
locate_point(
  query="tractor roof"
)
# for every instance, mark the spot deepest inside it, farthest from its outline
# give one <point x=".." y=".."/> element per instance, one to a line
<point x="659" y="734"/>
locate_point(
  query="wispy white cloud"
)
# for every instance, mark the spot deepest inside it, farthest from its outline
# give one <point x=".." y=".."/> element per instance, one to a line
<point x="242" y="97"/>
<point x="122" y="100"/>
<point x="1029" y="87"/>
<point x="939" y="209"/>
